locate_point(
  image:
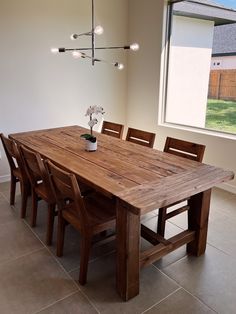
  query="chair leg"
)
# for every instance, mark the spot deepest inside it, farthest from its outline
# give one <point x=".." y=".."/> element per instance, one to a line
<point x="13" y="189"/>
<point x="60" y="234"/>
<point x="50" y="223"/>
<point x="85" y="246"/>
<point x="25" y="192"/>
<point x="34" y="208"/>
<point x="161" y="221"/>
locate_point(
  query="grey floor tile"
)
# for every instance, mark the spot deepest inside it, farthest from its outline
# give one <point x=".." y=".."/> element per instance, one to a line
<point x="5" y="186"/>
<point x="149" y="215"/>
<point x="5" y="189"/>
<point x="101" y="287"/>
<point x="77" y="303"/>
<point x="32" y="282"/>
<point x="180" y="302"/>
<point x="210" y="277"/>
<point x="7" y="213"/>
<point x="1" y="196"/>
<point x="16" y="240"/>
<point x="222" y="235"/>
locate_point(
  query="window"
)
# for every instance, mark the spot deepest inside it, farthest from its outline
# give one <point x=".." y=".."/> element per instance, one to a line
<point x="201" y="75"/>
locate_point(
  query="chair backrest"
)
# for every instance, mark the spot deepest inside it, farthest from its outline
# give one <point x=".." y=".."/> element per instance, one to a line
<point x="140" y="137"/>
<point x="13" y="155"/>
<point x="184" y="149"/>
<point x="112" y="129"/>
<point x="35" y="169"/>
<point x="66" y="191"/>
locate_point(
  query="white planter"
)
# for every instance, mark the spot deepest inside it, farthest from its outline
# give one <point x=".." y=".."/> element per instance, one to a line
<point x="90" y="146"/>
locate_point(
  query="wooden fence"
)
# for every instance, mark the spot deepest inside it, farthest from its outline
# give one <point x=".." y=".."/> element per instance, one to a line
<point x="222" y="84"/>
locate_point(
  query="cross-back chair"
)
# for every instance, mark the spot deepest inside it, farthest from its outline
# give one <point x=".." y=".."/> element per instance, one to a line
<point x="112" y="129"/>
<point x="18" y="173"/>
<point x="40" y="188"/>
<point x="90" y="215"/>
<point x="187" y="150"/>
<point x="140" y="137"/>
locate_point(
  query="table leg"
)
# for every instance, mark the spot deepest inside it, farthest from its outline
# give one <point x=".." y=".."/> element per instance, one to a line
<point x="128" y="251"/>
<point x="198" y="221"/>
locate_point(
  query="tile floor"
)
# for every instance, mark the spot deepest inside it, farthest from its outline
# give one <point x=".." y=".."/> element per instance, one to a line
<point x="33" y="280"/>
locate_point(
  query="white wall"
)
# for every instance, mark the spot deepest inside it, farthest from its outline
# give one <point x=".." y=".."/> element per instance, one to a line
<point x="189" y="69"/>
<point x="39" y="90"/>
<point x="223" y="63"/>
<point x="146" y="26"/>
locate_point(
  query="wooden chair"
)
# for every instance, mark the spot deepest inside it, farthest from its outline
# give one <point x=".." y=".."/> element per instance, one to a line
<point x="112" y="129"/>
<point x="18" y="173"/>
<point x="183" y="149"/>
<point x="92" y="214"/>
<point x="40" y="188"/>
<point x="140" y="137"/>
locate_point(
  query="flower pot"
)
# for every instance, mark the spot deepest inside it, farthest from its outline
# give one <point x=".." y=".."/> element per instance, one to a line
<point x="90" y="146"/>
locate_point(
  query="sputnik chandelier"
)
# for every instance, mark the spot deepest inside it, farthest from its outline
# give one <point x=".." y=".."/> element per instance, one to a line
<point x="82" y="52"/>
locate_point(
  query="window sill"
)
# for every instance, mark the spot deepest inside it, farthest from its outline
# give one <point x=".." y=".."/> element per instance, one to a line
<point x="209" y="132"/>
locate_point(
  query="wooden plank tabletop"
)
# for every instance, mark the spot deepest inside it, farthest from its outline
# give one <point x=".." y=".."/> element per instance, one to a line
<point x="142" y="178"/>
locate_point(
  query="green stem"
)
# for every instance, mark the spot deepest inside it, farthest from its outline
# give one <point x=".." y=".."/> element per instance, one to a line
<point x="91" y="129"/>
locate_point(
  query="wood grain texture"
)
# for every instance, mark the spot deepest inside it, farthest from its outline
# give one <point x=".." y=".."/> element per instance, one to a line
<point x="140" y="179"/>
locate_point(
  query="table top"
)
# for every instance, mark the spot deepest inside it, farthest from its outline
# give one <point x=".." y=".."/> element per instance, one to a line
<point x="142" y="178"/>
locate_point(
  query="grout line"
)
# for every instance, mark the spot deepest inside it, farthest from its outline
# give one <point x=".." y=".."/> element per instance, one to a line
<point x="18" y="257"/>
<point x="199" y="300"/>
<point x="227" y="254"/>
<point x="171" y="279"/>
<point x="82" y="292"/>
<point x="169" y="295"/>
<point x="51" y="304"/>
<point x="6" y="198"/>
<point x="92" y="260"/>
<point x="55" y="302"/>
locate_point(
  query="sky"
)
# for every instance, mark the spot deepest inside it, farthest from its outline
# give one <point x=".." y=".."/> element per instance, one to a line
<point x="227" y="3"/>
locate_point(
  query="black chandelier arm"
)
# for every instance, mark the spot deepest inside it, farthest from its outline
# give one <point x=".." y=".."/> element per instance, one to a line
<point x="91" y="48"/>
<point x="93" y="35"/>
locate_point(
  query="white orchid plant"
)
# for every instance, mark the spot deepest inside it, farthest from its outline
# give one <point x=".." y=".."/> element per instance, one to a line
<point x="92" y="121"/>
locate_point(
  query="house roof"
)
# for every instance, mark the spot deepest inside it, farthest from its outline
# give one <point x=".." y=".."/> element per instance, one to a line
<point x="206" y="10"/>
<point x="224" y="42"/>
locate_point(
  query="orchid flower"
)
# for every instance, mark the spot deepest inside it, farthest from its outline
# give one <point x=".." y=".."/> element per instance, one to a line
<point x="92" y="122"/>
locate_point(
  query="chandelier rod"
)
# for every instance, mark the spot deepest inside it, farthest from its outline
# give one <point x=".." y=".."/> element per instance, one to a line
<point x="93" y="35"/>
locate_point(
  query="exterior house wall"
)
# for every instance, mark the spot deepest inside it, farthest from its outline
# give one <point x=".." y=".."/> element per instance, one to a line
<point x="39" y="90"/>
<point x="223" y="63"/>
<point x="146" y="25"/>
<point x="189" y="67"/>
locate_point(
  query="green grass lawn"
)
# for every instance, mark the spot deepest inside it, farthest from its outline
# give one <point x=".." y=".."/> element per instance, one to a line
<point x="221" y="115"/>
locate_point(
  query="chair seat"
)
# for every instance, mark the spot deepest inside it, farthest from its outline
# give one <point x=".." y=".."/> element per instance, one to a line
<point x="42" y="191"/>
<point x="101" y="213"/>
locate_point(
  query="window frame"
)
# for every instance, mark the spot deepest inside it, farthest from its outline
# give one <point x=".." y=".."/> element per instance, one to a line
<point x="165" y="70"/>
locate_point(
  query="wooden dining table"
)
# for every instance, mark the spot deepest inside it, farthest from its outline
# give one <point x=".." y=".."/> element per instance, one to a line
<point x="141" y="180"/>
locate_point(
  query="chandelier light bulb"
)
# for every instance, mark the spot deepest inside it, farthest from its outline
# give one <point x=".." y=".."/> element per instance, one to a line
<point x="54" y="50"/>
<point x="73" y="36"/>
<point x="76" y="54"/>
<point x="134" y="47"/>
<point x="98" y="30"/>
<point x="119" y="66"/>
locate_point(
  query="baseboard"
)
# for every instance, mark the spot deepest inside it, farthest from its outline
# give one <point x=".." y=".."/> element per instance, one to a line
<point x="6" y="178"/>
<point x="227" y="187"/>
